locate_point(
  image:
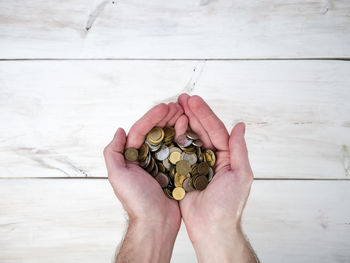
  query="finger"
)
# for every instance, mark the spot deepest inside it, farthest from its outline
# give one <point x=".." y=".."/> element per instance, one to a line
<point x="138" y="131"/>
<point x="181" y="125"/>
<point x="238" y="149"/>
<point x="179" y="112"/>
<point x="210" y="122"/>
<point x="114" y="152"/>
<point x="194" y="122"/>
<point x="172" y="111"/>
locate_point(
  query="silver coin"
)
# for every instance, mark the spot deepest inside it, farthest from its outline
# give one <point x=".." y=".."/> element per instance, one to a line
<point x="153" y="148"/>
<point x="192" y="135"/>
<point x="174" y="149"/>
<point x="167" y="164"/>
<point x="190" y="157"/>
<point x="162" y="153"/>
<point x="210" y="174"/>
<point x="183" y="141"/>
<point x="197" y="143"/>
<point x="154" y="171"/>
<point x="162" y="179"/>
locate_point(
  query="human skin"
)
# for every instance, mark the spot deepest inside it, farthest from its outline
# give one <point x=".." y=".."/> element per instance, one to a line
<point x="154" y="219"/>
<point x="213" y="216"/>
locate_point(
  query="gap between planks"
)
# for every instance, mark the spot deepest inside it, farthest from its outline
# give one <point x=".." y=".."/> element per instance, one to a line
<point x="176" y="59"/>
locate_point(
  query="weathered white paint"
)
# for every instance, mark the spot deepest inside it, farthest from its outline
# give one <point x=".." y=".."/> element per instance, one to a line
<point x="174" y="29"/>
<point x="80" y="220"/>
<point x="58" y="115"/>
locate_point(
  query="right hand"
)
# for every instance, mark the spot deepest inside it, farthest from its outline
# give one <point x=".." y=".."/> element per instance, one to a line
<point x="140" y="194"/>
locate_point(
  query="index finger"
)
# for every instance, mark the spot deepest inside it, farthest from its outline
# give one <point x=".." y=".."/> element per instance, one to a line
<point x="138" y="131"/>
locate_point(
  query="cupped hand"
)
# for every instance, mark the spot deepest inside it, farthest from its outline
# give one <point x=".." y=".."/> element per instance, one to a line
<point x="140" y="194"/>
<point x="219" y="207"/>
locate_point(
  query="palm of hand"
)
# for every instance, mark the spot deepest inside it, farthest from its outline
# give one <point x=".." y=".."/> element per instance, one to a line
<point x="141" y="195"/>
<point x="225" y="196"/>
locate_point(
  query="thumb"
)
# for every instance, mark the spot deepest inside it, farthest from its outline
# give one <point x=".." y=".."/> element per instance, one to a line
<point x="114" y="152"/>
<point x="238" y="149"/>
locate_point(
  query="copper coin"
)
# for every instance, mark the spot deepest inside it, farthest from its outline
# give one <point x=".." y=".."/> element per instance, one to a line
<point x="203" y="168"/>
<point x="150" y="167"/>
<point x="154" y="171"/>
<point x="201" y="182"/>
<point x="187" y="186"/>
<point x="169" y="132"/>
<point x="162" y="179"/>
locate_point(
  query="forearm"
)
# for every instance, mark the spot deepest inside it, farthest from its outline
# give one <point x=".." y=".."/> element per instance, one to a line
<point x="225" y="246"/>
<point x="147" y="242"/>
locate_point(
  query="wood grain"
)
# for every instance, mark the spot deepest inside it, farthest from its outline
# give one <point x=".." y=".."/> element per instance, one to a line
<point x="57" y="116"/>
<point x="80" y="220"/>
<point x="182" y="29"/>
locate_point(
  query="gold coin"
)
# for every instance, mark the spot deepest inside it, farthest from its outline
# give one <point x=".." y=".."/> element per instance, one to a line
<point x="150" y="167"/>
<point x="131" y="154"/>
<point x="186" y="166"/>
<point x="161" y="167"/>
<point x="175" y="157"/>
<point x="143" y="152"/>
<point x="209" y="157"/>
<point x="168" y="193"/>
<point x="194" y="169"/>
<point x="155" y="136"/>
<point x="178" y="180"/>
<point x="183" y="167"/>
<point x="178" y="193"/>
<point x="172" y="172"/>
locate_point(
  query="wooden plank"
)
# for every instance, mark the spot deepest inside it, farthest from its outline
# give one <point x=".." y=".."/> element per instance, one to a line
<point x="57" y="116"/>
<point x="181" y="29"/>
<point x="80" y="220"/>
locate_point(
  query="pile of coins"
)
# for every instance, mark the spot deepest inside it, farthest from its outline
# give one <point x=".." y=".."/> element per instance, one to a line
<point x="179" y="165"/>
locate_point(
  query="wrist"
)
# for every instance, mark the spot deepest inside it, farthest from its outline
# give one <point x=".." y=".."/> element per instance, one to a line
<point x="158" y="227"/>
<point x="153" y="240"/>
<point x="220" y="244"/>
<point x="200" y="232"/>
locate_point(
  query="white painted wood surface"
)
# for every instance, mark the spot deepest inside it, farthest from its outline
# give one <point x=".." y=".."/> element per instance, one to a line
<point x="57" y="116"/>
<point x="80" y="220"/>
<point x="174" y="29"/>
